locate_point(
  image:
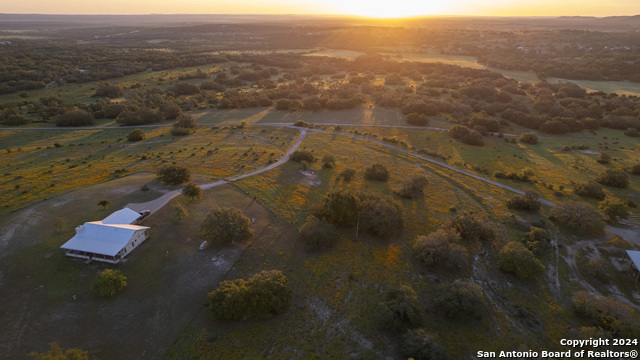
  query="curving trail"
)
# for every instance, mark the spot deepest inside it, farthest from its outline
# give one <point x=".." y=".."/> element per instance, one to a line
<point x="157" y="204"/>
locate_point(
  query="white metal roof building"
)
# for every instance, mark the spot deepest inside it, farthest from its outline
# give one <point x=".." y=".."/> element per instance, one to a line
<point x="634" y="256"/>
<point x="109" y="240"/>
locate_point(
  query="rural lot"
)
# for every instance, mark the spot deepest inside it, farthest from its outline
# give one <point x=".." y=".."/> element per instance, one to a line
<point x="319" y="187"/>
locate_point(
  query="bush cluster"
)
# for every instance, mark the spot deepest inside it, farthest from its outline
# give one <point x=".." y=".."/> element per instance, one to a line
<point x="136" y="135"/>
<point x="578" y="217"/>
<point x="466" y="135"/>
<point x="471" y="227"/>
<point x="419" y="345"/>
<point x="302" y="155"/>
<point x="379" y="216"/>
<point x="377" y="172"/>
<point x="517" y="259"/>
<point x="224" y="226"/>
<point x="109" y="283"/>
<point x="604" y="312"/>
<point x="529" y="138"/>
<point x="461" y="299"/>
<point x="589" y="189"/>
<point x="317" y="234"/>
<point x="400" y="310"/>
<point x="413" y="186"/>
<point x="614" y="178"/>
<point x="173" y="174"/>
<point x="262" y="296"/>
<point x="441" y="248"/>
<point x="529" y="201"/>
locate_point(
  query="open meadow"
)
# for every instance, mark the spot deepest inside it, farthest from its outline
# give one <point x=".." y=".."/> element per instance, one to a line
<point x="395" y="190"/>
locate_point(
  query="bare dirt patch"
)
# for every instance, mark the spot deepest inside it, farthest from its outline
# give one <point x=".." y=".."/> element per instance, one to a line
<point x="310" y="177"/>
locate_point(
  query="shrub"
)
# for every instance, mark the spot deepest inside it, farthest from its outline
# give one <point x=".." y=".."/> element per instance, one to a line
<point x="413" y="186"/>
<point x="615" y="209"/>
<point x="419" y="345"/>
<point x="598" y="268"/>
<point x="109" y="91"/>
<point x="458" y="131"/>
<point x="473" y="138"/>
<point x="605" y="312"/>
<point x="184" y="89"/>
<point x="471" y="227"/>
<point x="142" y="116"/>
<point x="377" y="172"/>
<point x="317" y="234"/>
<point x="170" y="110"/>
<point x="75" y="117"/>
<point x="380" y="216"/>
<point x="578" y="217"/>
<point x="482" y="130"/>
<point x="173" y="175"/>
<point x="633" y="132"/>
<point x="589" y="189"/>
<point x="262" y="296"/>
<point x="16" y="119"/>
<point x="57" y="353"/>
<point x="347" y="174"/>
<point x="529" y="138"/>
<point x="537" y="240"/>
<point x="604" y="158"/>
<point x="328" y="162"/>
<point x="462" y="299"/>
<point x="633" y="169"/>
<point x="224" y="226"/>
<point x="302" y="155"/>
<point x="109" y="283"/>
<point x="440" y="248"/>
<point x="517" y="259"/>
<point x="615" y="178"/>
<point x="185" y="125"/>
<point x="417" y="119"/>
<point x="136" y="135"/>
<point x="400" y="310"/>
<point x="340" y="207"/>
<point x="192" y="191"/>
<point x="529" y="201"/>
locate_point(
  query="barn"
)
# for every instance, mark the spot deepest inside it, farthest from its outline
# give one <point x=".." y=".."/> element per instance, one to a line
<point x="108" y="240"/>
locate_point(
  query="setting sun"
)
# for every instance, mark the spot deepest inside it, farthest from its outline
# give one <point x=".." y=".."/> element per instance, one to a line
<point x="393" y="9"/>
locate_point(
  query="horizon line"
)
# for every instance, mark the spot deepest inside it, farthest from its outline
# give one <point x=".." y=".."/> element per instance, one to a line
<point x="321" y="15"/>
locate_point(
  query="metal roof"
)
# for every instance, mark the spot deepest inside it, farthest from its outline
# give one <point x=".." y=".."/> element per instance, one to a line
<point x="635" y="257"/>
<point x="123" y="216"/>
<point x="105" y="239"/>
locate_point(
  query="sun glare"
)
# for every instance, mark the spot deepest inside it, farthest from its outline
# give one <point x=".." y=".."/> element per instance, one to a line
<point x="391" y="9"/>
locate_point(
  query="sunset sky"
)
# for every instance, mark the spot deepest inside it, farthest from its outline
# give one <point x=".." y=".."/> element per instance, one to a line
<point x="388" y="8"/>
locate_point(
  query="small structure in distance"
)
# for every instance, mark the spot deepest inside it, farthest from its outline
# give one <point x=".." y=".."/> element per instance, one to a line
<point x="634" y="267"/>
<point x="110" y="239"/>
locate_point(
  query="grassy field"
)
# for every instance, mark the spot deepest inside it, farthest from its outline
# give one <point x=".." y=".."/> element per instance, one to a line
<point x="47" y="295"/>
<point x="35" y="168"/>
<point x="463" y="61"/>
<point x="618" y="87"/>
<point x="53" y="180"/>
<point x="336" y="291"/>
